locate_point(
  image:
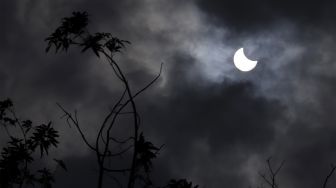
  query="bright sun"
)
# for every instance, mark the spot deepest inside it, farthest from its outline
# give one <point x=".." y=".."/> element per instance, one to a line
<point x="242" y="62"/>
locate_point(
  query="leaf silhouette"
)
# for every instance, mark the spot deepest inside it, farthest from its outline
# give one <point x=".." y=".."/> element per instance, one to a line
<point x="76" y="23"/>
<point x="146" y="152"/>
<point x="27" y="125"/>
<point x="5" y="107"/>
<point x="43" y="137"/>
<point x="93" y="42"/>
<point x="17" y="156"/>
<point x="12" y="157"/>
<point x="71" y="27"/>
<point x="115" y="45"/>
<point x="181" y="183"/>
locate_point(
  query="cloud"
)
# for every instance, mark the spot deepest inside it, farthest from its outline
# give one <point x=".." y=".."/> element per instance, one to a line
<point x="210" y="130"/>
<point x="218" y="124"/>
<point x="258" y="14"/>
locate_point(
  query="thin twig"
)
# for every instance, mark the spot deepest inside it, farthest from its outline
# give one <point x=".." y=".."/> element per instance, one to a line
<point x="333" y="167"/>
<point x="77" y="126"/>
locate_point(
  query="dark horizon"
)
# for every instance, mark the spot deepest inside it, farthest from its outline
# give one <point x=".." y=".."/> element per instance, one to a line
<point x="219" y="125"/>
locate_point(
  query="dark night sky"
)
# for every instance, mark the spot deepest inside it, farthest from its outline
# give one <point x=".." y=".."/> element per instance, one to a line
<point x="218" y="124"/>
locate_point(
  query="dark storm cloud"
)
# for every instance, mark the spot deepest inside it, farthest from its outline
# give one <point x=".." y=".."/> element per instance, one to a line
<point x="311" y="151"/>
<point x="258" y="14"/>
<point x="209" y="130"/>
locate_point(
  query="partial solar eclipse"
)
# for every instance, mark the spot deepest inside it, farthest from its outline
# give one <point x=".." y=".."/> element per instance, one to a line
<point x="242" y="62"/>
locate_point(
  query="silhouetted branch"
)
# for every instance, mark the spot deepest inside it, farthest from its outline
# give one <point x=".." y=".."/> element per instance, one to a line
<point x="119" y="153"/>
<point x="118" y="103"/>
<point x="333" y="167"/>
<point x="75" y="122"/>
<point x="271" y="180"/>
<point x="150" y="83"/>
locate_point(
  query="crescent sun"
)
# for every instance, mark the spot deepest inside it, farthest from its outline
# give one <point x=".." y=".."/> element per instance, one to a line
<point x="242" y="62"/>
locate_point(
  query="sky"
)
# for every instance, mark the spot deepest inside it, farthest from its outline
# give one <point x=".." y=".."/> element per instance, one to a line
<point x="219" y="125"/>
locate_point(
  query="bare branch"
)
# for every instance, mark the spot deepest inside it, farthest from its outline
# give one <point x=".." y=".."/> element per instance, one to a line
<point x="333" y="167"/>
<point x="150" y="83"/>
<point x="271" y="181"/>
<point x="69" y="117"/>
<point x="279" y="168"/>
<point x="266" y="180"/>
<point x="119" y="153"/>
<point x="107" y="118"/>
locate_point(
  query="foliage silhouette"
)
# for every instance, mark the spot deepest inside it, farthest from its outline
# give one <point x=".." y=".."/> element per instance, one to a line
<point x="16" y="162"/>
<point x="73" y="32"/>
<point x="181" y="183"/>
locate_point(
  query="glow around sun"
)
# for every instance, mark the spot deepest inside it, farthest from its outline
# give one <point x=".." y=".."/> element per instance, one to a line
<point x="242" y="62"/>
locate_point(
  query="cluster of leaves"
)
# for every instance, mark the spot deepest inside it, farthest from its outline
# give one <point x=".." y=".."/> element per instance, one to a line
<point x="71" y="28"/>
<point x="181" y="183"/>
<point x="73" y="32"/>
<point x="146" y="152"/>
<point x="17" y="157"/>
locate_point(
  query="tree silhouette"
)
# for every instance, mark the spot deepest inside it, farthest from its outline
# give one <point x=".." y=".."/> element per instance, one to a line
<point x="270" y="178"/>
<point x="73" y="32"/>
<point x="25" y="139"/>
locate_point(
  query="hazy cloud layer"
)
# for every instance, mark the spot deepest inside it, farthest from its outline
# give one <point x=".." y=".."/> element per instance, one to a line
<point x="219" y="125"/>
